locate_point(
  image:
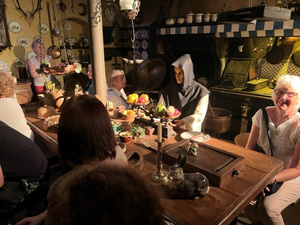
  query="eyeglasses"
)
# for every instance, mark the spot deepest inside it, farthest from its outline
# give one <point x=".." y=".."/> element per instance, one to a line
<point x="279" y="92"/>
<point x="122" y="77"/>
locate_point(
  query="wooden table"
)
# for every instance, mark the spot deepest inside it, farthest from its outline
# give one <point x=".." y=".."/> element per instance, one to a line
<point x="220" y="205"/>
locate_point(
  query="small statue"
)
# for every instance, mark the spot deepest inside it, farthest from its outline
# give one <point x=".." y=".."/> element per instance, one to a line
<point x="78" y="90"/>
<point x="186" y="185"/>
<point x="192" y="148"/>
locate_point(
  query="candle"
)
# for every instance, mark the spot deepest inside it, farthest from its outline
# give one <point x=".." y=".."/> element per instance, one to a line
<point x="159" y="132"/>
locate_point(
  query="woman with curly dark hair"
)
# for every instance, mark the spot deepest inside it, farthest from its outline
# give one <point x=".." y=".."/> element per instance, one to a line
<point x="109" y="196"/>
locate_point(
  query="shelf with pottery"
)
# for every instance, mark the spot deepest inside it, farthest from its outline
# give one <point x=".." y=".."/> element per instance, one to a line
<point x="235" y="30"/>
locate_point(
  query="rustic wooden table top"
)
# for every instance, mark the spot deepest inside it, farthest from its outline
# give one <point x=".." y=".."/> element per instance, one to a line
<point x="221" y="205"/>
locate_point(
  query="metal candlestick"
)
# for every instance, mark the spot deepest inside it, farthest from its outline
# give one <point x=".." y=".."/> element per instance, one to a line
<point x="159" y="176"/>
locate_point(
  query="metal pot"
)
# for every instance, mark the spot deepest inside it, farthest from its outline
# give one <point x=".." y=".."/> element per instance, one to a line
<point x="152" y="74"/>
<point x="276" y="54"/>
<point x="219" y="122"/>
<point x="54" y="51"/>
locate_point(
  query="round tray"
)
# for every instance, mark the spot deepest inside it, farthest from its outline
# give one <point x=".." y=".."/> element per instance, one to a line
<point x="168" y="118"/>
<point x="59" y="70"/>
<point x="138" y="104"/>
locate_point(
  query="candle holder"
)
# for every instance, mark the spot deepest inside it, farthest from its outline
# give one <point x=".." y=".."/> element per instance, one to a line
<point x="159" y="176"/>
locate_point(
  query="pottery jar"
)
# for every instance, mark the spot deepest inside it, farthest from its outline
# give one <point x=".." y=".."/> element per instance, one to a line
<point x="198" y="17"/>
<point x="207" y="17"/>
<point x="190" y="17"/>
<point x="180" y="20"/>
<point x="214" y="17"/>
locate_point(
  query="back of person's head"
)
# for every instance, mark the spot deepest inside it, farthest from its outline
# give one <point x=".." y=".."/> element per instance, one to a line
<point x="112" y="77"/>
<point x="7" y="85"/>
<point x="113" y="196"/>
<point x="85" y="132"/>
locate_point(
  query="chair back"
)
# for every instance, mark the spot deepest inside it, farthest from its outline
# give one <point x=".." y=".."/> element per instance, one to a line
<point x="241" y="139"/>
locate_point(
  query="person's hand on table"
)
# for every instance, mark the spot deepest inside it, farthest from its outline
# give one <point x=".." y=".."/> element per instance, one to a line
<point x="34" y="220"/>
<point x="177" y="123"/>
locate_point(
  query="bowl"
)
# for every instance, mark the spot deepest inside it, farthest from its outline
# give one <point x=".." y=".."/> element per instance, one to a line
<point x="129" y="116"/>
<point x="180" y="20"/>
<point x="125" y="136"/>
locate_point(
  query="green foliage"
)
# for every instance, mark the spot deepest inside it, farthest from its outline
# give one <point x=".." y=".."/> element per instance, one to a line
<point x="137" y="130"/>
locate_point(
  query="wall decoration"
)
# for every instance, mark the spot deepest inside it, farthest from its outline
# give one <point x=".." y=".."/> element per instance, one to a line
<point x="14" y="26"/>
<point x="84" y="9"/>
<point x="144" y="34"/>
<point x="23" y="41"/>
<point x="144" y="44"/>
<point x="43" y="28"/>
<point x="3" y="65"/>
<point x="144" y="55"/>
<point x="67" y="26"/>
<point x="18" y="63"/>
<point x="29" y="16"/>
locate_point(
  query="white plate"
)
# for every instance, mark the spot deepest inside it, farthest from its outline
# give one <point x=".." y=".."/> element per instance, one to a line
<point x="43" y="27"/>
<point x="138" y="34"/>
<point x="14" y="26"/>
<point x="144" y="34"/>
<point x="144" y="55"/>
<point x="23" y="41"/>
<point x="137" y="54"/>
<point x="19" y="63"/>
<point x="190" y="134"/>
<point x="144" y="44"/>
<point x="3" y="65"/>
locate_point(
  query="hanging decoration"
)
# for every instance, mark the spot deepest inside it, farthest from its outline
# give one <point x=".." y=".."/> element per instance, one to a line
<point x="131" y="9"/>
<point x="70" y="64"/>
<point x="98" y="13"/>
<point x="29" y="16"/>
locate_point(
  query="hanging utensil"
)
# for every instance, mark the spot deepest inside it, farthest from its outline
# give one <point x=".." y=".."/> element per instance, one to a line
<point x="72" y="8"/>
<point x="55" y="31"/>
<point x="62" y="6"/>
<point x="276" y="54"/>
<point x="53" y="50"/>
<point x="296" y="58"/>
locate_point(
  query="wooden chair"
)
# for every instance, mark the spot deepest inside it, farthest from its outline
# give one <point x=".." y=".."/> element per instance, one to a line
<point x="241" y="139"/>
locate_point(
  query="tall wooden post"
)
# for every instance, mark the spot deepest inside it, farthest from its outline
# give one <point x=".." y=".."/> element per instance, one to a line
<point x="97" y="48"/>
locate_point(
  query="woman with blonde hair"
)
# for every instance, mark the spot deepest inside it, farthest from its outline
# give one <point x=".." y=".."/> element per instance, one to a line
<point x="284" y="131"/>
<point x="39" y="79"/>
<point x="11" y="112"/>
<point x="115" y="91"/>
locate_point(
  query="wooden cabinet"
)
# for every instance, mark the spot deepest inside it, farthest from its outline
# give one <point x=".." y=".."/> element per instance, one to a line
<point x="4" y="35"/>
<point x="233" y="100"/>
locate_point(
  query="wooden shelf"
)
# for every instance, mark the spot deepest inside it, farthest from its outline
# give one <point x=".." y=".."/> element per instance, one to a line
<point x="235" y="30"/>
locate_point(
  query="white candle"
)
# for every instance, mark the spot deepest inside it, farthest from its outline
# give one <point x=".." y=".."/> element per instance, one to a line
<point x="159" y="132"/>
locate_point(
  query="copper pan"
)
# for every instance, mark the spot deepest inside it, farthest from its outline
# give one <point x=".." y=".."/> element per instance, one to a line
<point x="53" y="50"/>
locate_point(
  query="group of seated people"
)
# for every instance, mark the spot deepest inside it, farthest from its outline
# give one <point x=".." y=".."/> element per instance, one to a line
<point x="88" y="148"/>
